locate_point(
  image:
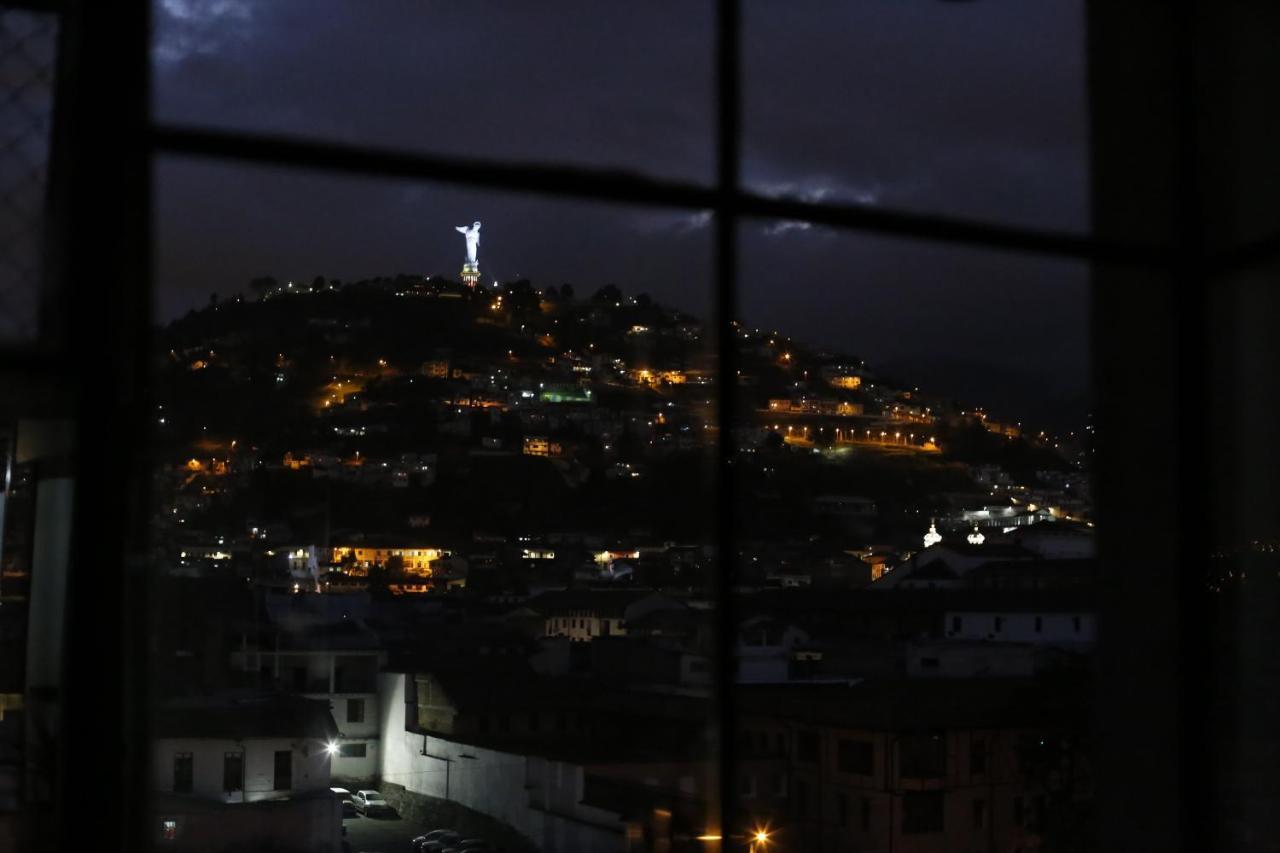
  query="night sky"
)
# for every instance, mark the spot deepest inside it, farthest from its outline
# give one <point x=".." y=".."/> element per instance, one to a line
<point x="965" y="109"/>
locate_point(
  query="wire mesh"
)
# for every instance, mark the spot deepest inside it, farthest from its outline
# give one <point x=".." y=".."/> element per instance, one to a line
<point x="28" y="43"/>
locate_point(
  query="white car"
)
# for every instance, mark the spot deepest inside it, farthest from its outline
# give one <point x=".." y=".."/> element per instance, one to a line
<point x="370" y="802"/>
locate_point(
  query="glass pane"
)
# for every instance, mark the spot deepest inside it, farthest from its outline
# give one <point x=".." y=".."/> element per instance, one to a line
<point x="1243" y="574"/>
<point x="27" y="48"/>
<point x="973" y="110"/>
<point x="431" y="513"/>
<point x="36" y="490"/>
<point x="624" y="86"/>
<point x="914" y="613"/>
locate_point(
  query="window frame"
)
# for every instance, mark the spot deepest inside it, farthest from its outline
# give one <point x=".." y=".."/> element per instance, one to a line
<point x="102" y="81"/>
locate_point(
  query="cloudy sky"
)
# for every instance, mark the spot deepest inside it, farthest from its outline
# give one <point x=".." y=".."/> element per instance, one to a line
<point x="967" y="109"/>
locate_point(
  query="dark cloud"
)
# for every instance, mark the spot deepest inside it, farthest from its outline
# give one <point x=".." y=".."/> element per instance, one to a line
<point x="969" y="110"/>
<point x="973" y="110"/>
<point x="625" y="85"/>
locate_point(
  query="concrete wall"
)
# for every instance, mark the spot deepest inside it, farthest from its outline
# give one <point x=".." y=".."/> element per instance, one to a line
<point x="539" y="798"/>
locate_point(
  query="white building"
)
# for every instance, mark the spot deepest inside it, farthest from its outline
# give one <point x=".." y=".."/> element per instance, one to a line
<point x="1065" y="629"/>
<point x="239" y="748"/>
<point x="244" y="769"/>
<point x="335" y="664"/>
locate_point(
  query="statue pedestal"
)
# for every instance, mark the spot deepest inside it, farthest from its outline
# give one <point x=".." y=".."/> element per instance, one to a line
<point x="471" y="275"/>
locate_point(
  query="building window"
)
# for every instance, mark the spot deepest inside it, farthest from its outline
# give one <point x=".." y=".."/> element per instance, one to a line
<point x="957" y="623"/>
<point x="922" y="756"/>
<point x="842" y="808"/>
<point x="183" y="772"/>
<point x="922" y="812"/>
<point x="169" y="829"/>
<point x="352" y="750"/>
<point x="998" y="623"/>
<point x="977" y="757"/>
<point x="748" y="785"/>
<point x="866" y="814"/>
<point x="283" y="770"/>
<point x="807" y="747"/>
<point x="355" y="710"/>
<point x="979" y="814"/>
<point x="802" y="798"/>
<point x="1075" y="624"/>
<point x="233" y="771"/>
<point x="1039" y="624"/>
<point x="779" y="784"/>
<point x="855" y="757"/>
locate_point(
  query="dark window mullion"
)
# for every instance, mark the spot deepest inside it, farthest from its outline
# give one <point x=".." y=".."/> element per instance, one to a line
<point x="631" y="189"/>
<point x="727" y="210"/>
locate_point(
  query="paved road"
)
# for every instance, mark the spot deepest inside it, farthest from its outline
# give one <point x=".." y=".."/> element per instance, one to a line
<point x="390" y="834"/>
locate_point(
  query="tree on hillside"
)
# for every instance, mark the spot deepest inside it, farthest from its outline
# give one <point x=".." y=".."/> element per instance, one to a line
<point x="609" y="294"/>
<point x="262" y="284"/>
<point x="566" y="292"/>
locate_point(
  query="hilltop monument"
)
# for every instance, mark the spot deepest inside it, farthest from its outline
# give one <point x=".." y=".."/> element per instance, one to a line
<point x="471" y="269"/>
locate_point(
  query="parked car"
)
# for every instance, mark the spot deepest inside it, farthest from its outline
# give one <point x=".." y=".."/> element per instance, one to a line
<point x="435" y="846"/>
<point x="348" y="807"/>
<point x="434" y="841"/>
<point x="370" y="803"/>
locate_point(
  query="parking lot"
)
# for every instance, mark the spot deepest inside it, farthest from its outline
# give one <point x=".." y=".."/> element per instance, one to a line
<point x="382" y="834"/>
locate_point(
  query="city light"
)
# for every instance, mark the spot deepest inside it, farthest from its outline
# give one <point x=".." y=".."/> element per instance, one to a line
<point x="573" y="468"/>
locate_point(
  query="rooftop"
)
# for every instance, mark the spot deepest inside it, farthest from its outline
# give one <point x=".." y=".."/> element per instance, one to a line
<point x="248" y="714"/>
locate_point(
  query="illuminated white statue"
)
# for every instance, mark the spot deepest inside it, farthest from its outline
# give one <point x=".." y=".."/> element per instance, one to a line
<point x="472" y="233"/>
